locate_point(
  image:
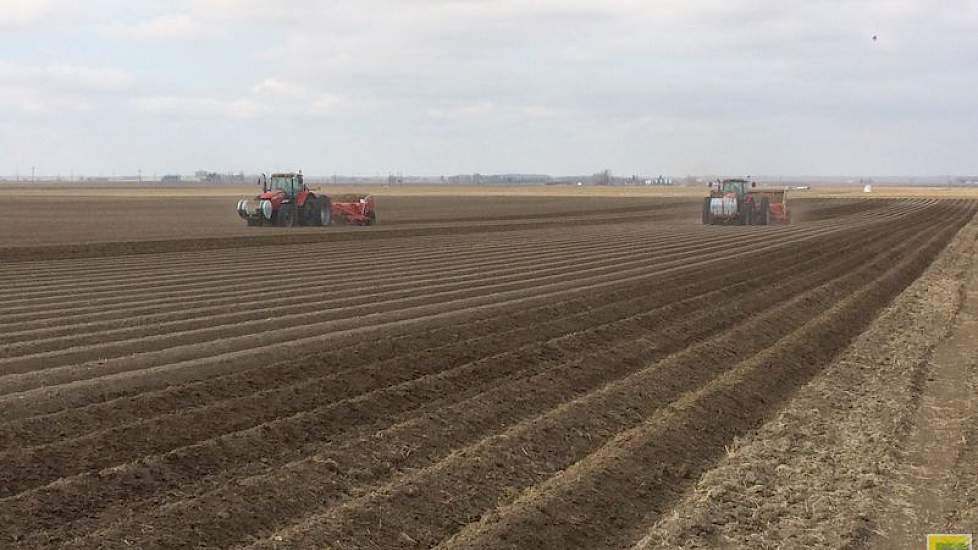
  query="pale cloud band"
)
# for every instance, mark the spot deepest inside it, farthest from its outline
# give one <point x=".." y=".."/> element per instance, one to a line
<point x="464" y="86"/>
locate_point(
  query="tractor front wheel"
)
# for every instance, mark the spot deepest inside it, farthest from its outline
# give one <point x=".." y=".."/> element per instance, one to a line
<point x="287" y="215"/>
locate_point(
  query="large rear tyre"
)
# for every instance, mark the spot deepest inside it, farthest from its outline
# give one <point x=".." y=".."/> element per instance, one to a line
<point x="372" y="218"/>
<point x="310" y="212"/>
<point x="325" y="212"/>
<point x="765" y="212"/>
<point x="287" y="215"/>
<point x="707" y="215"/>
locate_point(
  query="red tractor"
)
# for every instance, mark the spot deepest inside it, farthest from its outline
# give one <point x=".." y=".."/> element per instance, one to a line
<point x="285" y="201"/>
<point x="740" y="202"/>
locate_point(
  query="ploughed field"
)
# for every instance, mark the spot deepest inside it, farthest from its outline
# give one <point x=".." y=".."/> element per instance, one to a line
<point x="137" y="215"/>
<point x="505" y="380"/>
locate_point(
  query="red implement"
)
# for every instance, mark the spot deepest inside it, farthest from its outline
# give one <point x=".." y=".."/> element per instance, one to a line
<point x="357" y="212"/>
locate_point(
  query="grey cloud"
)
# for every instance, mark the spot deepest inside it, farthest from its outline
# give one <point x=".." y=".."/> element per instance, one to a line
<point x="444" y="86"/>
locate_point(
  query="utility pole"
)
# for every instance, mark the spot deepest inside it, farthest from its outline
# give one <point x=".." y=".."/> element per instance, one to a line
<point x="32" y="174"/>
<point x="139" y="176"/>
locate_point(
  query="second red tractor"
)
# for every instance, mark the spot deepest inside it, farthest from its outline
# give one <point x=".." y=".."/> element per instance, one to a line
<point x="740" y="202"/>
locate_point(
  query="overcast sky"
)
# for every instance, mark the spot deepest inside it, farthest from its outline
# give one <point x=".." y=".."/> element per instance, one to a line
<point x="440" y="87"/>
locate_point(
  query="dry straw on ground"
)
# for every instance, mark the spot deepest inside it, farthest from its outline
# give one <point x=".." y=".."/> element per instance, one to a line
<point x="818" y="474"/>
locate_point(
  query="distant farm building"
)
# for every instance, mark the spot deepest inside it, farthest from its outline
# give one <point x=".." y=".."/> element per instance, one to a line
<point x="497" y="179"/>
<point x="215" y="177"/>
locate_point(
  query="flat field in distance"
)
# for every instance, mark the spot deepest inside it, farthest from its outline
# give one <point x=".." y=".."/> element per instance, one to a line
<point x="71" y="213"/>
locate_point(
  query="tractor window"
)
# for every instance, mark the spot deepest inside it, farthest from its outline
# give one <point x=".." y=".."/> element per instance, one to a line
<point x="732" y="187"/>
<point x="284" y="183"/>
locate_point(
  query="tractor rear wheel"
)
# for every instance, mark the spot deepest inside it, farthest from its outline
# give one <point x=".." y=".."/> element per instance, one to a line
<point x="743" y="213"/>
<point x="707" y="215"/>
<point x="325" y="211"/>
<point x="372" y="218"/>
<point x="765" y="213"/>
<point x="287" y="215"/>
<point x="310" y="212"/>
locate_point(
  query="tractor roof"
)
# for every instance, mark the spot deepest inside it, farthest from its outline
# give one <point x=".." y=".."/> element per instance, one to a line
<point x="284" y="175"/>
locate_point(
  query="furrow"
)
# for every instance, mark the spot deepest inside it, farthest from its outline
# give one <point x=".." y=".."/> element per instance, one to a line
<point x="460" y="489"/>
<point x="242" y="348"/>
<point x="324" y="312"/>
<point x="303" y="298"/>
<point x="685" y="438"/>
<point x="185" y="427"/>
<point x="643" y="347"/>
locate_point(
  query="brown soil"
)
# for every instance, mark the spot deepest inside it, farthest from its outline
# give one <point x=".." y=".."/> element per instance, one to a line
<point x="546" y="378"/>
<point x="836" y="468"/>
<point x="114" y="225"/>
<point x="32" y="221"/>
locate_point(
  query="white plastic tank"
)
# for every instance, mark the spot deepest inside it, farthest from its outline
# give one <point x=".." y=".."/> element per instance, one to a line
<point x="723" y="206"/>
<point x="868" y="188"/>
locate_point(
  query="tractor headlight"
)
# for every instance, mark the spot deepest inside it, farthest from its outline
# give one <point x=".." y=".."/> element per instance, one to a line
<point x="266" y="209"/>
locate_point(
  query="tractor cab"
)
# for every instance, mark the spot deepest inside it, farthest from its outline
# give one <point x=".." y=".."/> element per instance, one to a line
<point x="735" y="187"/>
<point x="289" y="184"/>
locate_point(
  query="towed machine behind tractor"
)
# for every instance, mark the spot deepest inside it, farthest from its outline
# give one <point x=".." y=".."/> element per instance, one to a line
<point x="286" y="201"/>
<point x="740" y="202"/>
